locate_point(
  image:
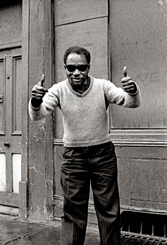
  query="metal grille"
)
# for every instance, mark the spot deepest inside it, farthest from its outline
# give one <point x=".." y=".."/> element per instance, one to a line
<point x="128" y="238"/>
<point x="143" y="228"/>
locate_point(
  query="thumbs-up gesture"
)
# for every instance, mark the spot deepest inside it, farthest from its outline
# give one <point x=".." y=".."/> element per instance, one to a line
<point x="128" y="85"/>
<point x="38" y="92"/>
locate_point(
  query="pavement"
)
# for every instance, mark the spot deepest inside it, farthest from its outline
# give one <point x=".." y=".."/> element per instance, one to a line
<point x="16" y="232"/>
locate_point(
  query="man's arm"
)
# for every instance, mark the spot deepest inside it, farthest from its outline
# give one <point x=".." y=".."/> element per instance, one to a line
<point x="42" y="101"/>
<point x="129" y="96"/>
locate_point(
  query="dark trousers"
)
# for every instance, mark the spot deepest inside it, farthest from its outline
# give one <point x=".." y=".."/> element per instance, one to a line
<point x="81" y="166"/>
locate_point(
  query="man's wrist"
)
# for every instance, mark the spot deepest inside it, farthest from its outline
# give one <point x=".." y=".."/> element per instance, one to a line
<point x="35" y="103"/>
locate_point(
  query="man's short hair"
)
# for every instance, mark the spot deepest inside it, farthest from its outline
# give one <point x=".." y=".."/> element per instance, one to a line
<point x="77" y="50"/>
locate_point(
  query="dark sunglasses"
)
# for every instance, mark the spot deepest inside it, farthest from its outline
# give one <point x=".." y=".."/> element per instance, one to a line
<point x="72" y="68"/>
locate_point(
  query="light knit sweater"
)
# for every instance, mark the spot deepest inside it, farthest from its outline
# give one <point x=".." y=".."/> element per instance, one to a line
<point x="85" y="118"/>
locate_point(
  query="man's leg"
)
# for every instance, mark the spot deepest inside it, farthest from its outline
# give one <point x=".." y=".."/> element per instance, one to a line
<point x="106" y="196"/>
<point x="75" y="184"/>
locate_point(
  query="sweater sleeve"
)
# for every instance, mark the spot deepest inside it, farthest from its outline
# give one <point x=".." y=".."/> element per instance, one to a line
<point x="120" y="97"/>
<point x="50" y="101"/>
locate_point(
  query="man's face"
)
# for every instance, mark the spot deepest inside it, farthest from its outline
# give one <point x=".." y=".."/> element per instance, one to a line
<point x="77" y="69"/>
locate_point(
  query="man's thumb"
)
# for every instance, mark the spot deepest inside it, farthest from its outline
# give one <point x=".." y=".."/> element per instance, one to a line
<point x="125" y="71"/>
<point x="42" y="80"/>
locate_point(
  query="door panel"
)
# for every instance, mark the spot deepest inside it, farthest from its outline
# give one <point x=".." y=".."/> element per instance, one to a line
<point x="3" y="172"/>
<point x="2" y="89"/>
<point x="16" y="163"/>
<point x="10" y="126"/>
<point x="16" y="117"/>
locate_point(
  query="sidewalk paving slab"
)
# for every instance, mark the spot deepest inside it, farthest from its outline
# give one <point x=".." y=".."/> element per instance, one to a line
<point x="16" y="232"/>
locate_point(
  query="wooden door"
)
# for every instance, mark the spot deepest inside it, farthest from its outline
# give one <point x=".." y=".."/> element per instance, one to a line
<point x="10" y="126"/>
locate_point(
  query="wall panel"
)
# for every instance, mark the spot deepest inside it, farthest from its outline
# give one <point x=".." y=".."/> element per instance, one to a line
<point x="70" y="11"/>
<point x="138" y="40"/>
<point x="142" y="175"/>
<point x="10" y="16"/>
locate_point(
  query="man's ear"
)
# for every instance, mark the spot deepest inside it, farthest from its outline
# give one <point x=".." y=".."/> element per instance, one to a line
<point x="64" y="66"/>
<point x="88" y="67"/>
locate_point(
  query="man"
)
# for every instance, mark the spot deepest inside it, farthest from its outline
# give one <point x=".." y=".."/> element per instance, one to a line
<point x="89" y="155"/>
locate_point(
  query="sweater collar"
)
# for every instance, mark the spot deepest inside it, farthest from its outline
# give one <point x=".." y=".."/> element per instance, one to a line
<point x="85" y="92"/>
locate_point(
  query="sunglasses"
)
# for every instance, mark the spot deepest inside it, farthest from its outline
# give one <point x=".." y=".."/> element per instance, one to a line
<point x="72" y="68"/>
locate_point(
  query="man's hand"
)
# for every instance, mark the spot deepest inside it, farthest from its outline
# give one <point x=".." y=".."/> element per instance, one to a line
<point x="128" y="85"/>
<point x="38" y="92"/>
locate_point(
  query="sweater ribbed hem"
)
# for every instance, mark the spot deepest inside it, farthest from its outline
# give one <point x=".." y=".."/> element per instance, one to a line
<point x="87" y="143"/>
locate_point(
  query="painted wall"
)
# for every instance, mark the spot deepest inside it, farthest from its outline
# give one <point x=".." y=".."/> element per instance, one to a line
<point x="10" y="102"/>
<point x="122" y="33"/>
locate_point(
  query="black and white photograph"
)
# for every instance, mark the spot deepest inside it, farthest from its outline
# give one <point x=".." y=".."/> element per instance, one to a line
<point x="83" y="122"/>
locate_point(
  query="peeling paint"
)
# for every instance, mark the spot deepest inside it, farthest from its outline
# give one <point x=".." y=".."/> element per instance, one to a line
<point x="33" y="168"/>
<point x="61" y="1"/>
<point x="162" y="4"/>
<point x="38" y="139"/>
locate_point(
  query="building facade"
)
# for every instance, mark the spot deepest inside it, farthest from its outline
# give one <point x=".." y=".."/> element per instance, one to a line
<point x="33" y="38"/>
